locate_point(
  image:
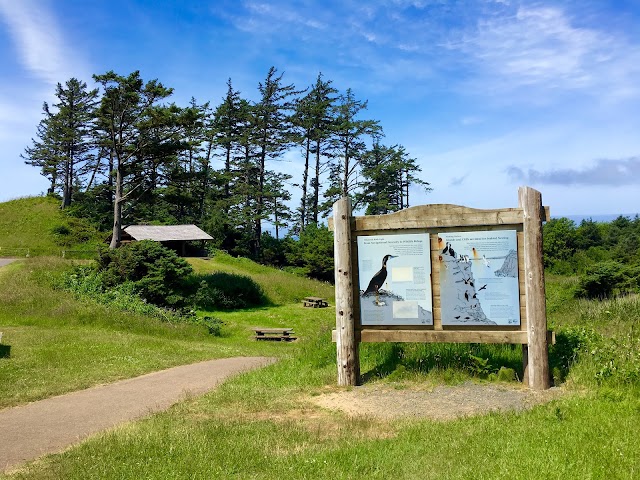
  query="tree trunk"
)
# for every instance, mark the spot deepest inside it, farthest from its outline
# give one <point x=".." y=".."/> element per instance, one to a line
<point x="316" y="187"/>
<point x="305" y="179"/>
<point x="117" y="212"/>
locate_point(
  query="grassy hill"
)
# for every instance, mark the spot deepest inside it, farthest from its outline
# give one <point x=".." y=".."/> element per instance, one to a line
<point x="262" y="424"/>
<point x="36" y="226"/>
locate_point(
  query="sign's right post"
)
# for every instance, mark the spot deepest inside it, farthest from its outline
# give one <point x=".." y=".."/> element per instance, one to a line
<point x="535" y="353"/>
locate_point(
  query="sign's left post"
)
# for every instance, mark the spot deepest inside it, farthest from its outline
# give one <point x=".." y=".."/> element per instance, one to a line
<point x="346" y="343"/>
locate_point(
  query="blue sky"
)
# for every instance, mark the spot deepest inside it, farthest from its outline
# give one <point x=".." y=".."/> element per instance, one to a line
<point x="487" y="95"/>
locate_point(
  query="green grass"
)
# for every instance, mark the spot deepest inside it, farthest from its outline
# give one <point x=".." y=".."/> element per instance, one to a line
<point x="262" y="424"/>
<point x="279" y="286"/>
<point x="60" y="343"/>
<point x="28" y="226"/>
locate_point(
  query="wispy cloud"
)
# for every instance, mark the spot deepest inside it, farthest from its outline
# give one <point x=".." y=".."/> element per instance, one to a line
<point x="542" y="47"/>
<point x="605" y="172"/>
<point x="41" y="46"/>
<point x="457" y="181"/>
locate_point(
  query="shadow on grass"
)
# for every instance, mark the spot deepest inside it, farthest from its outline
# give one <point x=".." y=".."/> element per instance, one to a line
<point x="477" y="360"/>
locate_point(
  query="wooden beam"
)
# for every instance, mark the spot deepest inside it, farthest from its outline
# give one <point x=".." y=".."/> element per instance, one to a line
<point x="439" y="336"/>
<point x="346" y="344"/>
<point x="537" y="353"/>
<point x="443" y="336"/>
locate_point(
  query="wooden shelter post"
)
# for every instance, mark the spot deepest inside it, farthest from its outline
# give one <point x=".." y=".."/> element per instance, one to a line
<point x="535" y="353"/>
<point x="347" y="346"/>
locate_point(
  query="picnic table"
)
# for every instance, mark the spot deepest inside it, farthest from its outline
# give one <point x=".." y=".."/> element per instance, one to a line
<point x="277" y="334"/>
<point x="315" y="302"/>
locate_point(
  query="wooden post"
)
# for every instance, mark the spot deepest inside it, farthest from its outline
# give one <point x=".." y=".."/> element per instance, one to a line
<point x="347" y="347"/>
<point x="537" y="353"/>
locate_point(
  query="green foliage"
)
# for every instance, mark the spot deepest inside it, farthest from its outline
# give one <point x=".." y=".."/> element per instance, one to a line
<point x="314" y="252"/>
<point x="601" y="280"/>
<point x="559" y="240"/>
<point x="570" y="342"/>
<point x="159" y="276"/>
<point x="227" y="291"/>
<point x="86" y="281"/>
<point x="569" y="249"/>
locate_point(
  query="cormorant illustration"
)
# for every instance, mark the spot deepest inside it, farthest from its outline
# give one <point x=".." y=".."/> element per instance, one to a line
<point x="466" y="296"/>
<point x="446" y="248"/>
<point x="483" y="287"/>
<point x="378" y="279"/>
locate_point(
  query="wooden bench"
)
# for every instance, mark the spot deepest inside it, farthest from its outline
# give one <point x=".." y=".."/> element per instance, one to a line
<point x="276" y="334"/>
<point x="315" y="302"/>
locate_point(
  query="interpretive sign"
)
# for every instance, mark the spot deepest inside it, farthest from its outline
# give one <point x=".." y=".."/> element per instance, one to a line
<point x="442" y="273"/>
<point x="395" y="279"/>
<point x="479" y="278"/>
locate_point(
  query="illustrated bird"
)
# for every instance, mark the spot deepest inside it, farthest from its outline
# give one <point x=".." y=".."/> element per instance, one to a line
<point x="378" y="279"/>
<point x="483" y="287"/>
<point x="466" y="296"/>
<point x="446" y="248"/>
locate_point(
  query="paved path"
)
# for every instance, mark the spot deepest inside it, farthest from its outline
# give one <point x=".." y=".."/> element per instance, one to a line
<point x="50" y="425"/>
<point x="6" y="261"/>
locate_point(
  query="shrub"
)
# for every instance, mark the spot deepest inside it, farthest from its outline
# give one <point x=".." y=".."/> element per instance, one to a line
<point x="159" y="276"/>
<point x="570" y="342"/>
<point x="601" y="280"/>
<point x="227" y="291"/>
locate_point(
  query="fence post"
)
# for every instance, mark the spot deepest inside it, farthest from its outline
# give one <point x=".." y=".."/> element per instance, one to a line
<point x="346" y="344"/>
<point x="536" y="355"/>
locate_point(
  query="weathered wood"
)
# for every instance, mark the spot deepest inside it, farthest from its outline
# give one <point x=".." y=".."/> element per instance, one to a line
<point x="346" y="344"/>
<point x="421" y="217"/>
<point x="315" y="302"/>
<point x="530" y="201"/>
<point x="437" y="336"/>
<point x="439" y="215"/>
<point x="278" y="334"/>
<point x="370" y="335"/>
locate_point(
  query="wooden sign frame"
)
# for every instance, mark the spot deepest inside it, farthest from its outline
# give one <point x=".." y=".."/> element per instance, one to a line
<point x="432" y="219"/>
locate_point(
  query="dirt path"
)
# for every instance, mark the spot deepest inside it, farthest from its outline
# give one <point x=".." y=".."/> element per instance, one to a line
<point x="443" y="402"/>
<point x="53" y="424"/>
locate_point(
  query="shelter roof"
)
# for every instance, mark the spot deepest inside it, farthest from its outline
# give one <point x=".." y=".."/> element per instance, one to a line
<point x="166" y="233"/>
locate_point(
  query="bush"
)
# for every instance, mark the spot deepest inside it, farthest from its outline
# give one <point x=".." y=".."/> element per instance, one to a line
<point x="227" y="291"/>
<point x="601" y="280"/>
<point x="570" y="342"/>
<point x="158" y="275"/>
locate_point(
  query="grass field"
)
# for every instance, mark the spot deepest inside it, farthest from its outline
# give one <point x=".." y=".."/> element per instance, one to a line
<point x="262" y="424"/>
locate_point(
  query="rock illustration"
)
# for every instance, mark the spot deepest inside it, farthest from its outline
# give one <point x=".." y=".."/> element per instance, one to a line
<point x="458" y="292"/>
<point x="509" y="267"/>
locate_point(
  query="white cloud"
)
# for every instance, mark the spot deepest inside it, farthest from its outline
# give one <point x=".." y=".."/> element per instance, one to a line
<point x="541" y="47"/>
<point x="40" y="42"/>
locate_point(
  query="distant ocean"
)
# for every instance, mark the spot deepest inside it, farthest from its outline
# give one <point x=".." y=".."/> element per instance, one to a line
<point x="596" y="218"/>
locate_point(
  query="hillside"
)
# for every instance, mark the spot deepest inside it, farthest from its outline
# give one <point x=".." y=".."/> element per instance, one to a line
<point x="36" y="226"/>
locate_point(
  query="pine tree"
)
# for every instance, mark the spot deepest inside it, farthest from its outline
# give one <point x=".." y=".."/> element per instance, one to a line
<point x="387" y="173"/>
<point x="272" y="135"/>
<point x="64" y="150"/>
<point x="314" y="122"/>
<point x="349" y="143"/>
<point x="131" y="124"/>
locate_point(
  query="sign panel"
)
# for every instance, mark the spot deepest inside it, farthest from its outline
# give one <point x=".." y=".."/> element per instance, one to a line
<point x="479" y="278"/>
<point x="395" y="279"/>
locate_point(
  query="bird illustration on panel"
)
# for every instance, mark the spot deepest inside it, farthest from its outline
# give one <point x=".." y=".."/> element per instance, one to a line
<point x="378" y="279"/>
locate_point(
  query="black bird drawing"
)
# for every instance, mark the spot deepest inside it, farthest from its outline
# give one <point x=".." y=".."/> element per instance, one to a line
<point x="483" y="287"/>
<point x="446" y="248"/>
<point x="378" y="279"/>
